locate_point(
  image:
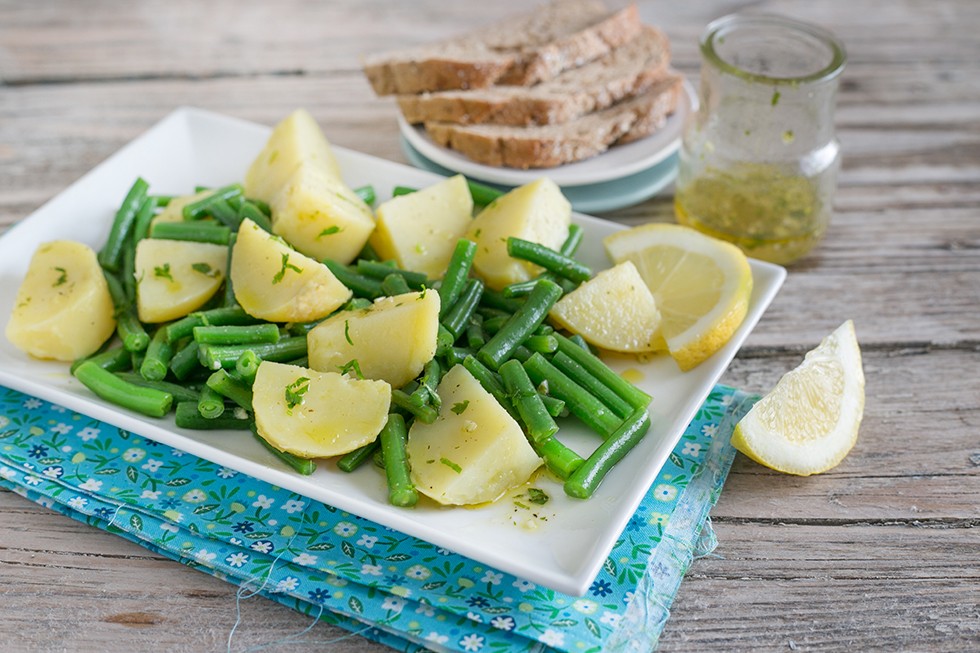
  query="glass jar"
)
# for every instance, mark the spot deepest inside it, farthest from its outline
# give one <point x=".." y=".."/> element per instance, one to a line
<point x="759" y="158"/>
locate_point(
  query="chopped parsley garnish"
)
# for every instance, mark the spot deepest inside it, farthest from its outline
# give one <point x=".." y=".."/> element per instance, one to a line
<point x="460" y="406"/>
<point x="352" y="365"/>
<point x="537" y="496"/>
<point x="62" y="278"/>
<point x="347" y="332"/>
<point x="451" y="465"/>
<point x="204" y="269"/>
<point x="329" y="231"/>
<point x="163" y="271"/>
<point x="295" y="392"/>
<point x="286" y="265"/>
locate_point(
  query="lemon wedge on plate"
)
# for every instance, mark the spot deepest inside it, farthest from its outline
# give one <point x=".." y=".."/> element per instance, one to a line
<point x="701" y="285"/>
<point x="810" y="420"/>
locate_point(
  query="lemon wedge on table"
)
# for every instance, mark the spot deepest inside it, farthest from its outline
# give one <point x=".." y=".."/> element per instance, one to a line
<point x="701" y="285"/>
<point x="810" y="420"/>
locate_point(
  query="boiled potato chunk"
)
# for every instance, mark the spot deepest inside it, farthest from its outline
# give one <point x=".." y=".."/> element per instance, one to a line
<point x="63" y="309"/>
<point x="321" y="216"/>
<point x="175" y="277"/>
<point x="295" y="141"/>
<point x="474" y="451"/>
<point x="274" y="282"/>
<point x="419" y="231"/>
<point x="315" y="414"/>
<point x="537" y="212"/>
<point x="614" y="310"/>
<point x="392" y="339"/>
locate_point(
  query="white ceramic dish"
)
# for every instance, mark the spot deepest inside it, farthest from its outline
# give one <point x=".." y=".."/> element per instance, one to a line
<point x="191" y="147"/>
<point x="590" y="198"/>
<point x="617" y="162"/>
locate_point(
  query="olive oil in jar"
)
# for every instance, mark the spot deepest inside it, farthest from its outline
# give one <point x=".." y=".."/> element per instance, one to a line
<point x="759" y="158"/>
<point x="769" y="214"/>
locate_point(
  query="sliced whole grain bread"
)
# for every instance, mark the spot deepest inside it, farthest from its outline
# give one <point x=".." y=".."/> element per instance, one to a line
<point x="625" y="71"/>
<point x="524" y="50"/>
<point x="552" y="145"/>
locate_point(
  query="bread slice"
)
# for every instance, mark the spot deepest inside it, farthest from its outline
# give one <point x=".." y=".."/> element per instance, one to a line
<point x="523" y="50"/>
<point x="552" y="145"/>
<point x="628" y="70"/>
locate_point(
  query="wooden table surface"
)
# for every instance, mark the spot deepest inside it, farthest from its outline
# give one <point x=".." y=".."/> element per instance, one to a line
<point x="882" y="553"/>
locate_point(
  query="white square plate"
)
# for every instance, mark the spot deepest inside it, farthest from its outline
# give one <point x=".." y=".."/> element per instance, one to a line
<point x="193" y="147"/>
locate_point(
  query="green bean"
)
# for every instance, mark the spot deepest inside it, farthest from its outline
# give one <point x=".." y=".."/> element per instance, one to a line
<point x="228" y="288"/>
<point x="573" y="240"/>
<point x="491" y="383"/>
<point x="425" y="413"/>
<point x="115" y="359"/>
<point x="537" y="421"/>
<point x="456" y="355"/>
<point x="247" y="365"/>
<point x="140" y="225"/>
<point x="367" y="194"/>
<point x="158" y="355"/>
<point x="560" y="459"/>
<point x="483" y="195"/>
<point x="110" y="387"/>
<point x="521" y="324"/>
<point x="457" y="272"/>
<point x="522" y="353"/>
<point x="199" y="208"/>
<point x="128" y="326"/>
<point x="394" y="284"/>
<point x="401" y="489"/>
<point x="250" y="210"/>
<point x="261" y="206"/>
<point x="584" y="378"/>
<point x="584" y="481"/>
<point x="214" y="357"/>
<point x="110" y="256"/>
<point x="236" y="334"/>
<point x="303" y="328"/>
<point x="494" y="324"/>
<point x="380" y="270"/>
<point x="555" y="406"/>
<point x="179" y="391"/>
<point x="549" y="259"/>
<point x="495" y="299"/>
<point x="361" y="285"/>
<point x="162" y="200"/>
<point x="211" y="403"/>
<point x="354" y="459"/>
<point x="188" y="417"/>
<point x="428" y="385"/>
<point x="458" y="316"/>
<point x="228" y="386"/>
<point x="545" y="344"/>
<point x="476" y="337"/>
<point x="368" y="253"/>
<point x="579" y="401"/>
<point x="444" y="340"/>
<point x="634" y="396"/>
<point x="304" y="466"/>
<point x="186" y="361"/>
<point x="199" y="232"/>
<point x="225" y="315"/>
<point x="224" y="212"/>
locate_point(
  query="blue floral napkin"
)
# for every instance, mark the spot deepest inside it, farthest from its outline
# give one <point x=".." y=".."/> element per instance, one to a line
<point x="349" y="571"/>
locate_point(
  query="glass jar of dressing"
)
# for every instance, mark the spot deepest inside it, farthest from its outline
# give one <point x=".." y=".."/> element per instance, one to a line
<point x="759" y="158"/>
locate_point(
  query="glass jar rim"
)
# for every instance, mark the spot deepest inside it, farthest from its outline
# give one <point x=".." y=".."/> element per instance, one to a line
<point x="723" y="25"/>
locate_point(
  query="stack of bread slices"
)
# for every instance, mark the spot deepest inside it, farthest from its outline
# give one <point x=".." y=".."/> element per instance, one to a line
<point x="560" y="84"/>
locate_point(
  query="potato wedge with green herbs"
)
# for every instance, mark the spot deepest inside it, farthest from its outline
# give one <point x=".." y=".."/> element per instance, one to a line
<point x="419" y="230"/>
<point x="321" y="216"/>
<point x="296" y="141"/>
<point x="411" y="320"/>
<point x="317" y="414"/>
<point x="175" y="277"/>
<point x="63" y="309"/>
<point x="474" y="451"/>
<point x="272" y="281"/>
<point x="537" y="212"/>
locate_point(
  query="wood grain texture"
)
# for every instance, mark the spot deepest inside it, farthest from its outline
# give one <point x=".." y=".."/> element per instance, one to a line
<point x="880" y="554"/>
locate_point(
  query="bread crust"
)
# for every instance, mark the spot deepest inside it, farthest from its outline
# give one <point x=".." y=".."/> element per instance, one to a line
<point x="501" y="54"/>
<point x="553" y="145"/>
